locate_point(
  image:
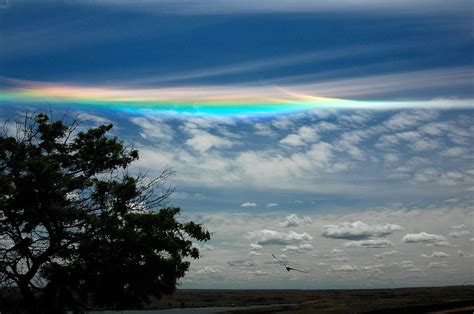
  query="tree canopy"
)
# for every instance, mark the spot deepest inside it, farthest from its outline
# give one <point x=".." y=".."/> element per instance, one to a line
<point x="77" y="228"/>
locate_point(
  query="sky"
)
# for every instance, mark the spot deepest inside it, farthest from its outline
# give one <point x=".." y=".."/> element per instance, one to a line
<point x="337" y="135"/>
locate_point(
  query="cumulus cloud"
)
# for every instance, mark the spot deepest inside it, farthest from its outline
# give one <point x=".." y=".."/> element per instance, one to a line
<point x="459" y="233"/>
<point x="241" y="263"/>
<point x="154" y="129"/>
<point x="294" y="221"/>
<point x="358" y="230"/>
<point x="255" y="247"/>
<point x="352" y="268"/>
<point x="422" y="237"/>
<point x="208" y="270"/>
<point x="454" y="152"/>
<point x="436" y="255"/>
<point x="371" y="243"/>
<point x="387" y="253"/>
<point x="248" y="204"/>
<point x="267" y="237"/>
<point x="202" y="141"/>
<point x="298" y="248"/>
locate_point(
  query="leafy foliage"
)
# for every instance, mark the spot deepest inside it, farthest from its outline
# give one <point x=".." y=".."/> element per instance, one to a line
<point x="76" y="228"/>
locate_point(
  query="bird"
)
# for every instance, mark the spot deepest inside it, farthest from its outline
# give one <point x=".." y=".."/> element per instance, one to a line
<point x="288" y="268"/>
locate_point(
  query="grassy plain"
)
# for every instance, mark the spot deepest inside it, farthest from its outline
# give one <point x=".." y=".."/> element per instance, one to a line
<point x="452" y="299"/>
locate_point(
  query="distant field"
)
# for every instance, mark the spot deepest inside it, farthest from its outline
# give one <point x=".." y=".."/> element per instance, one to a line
<point x="459" y="299"/>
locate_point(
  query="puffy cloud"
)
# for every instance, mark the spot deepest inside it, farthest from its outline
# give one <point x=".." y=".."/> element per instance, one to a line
<point x="437" y="265"/>
<point x="387" y="253"/>
<point x="272" y="204"/>
<point x="208" y="270"/>
<point x="371" y="243"/>
<point x="440" y="243"/>
<point x="266" y="237"/>
<point x="248" y="204"/>
<point x="294" y="221"/>
<point x="454" y="152"/>
<point x="304" y="136"/>
<point x="255" y="273"/>
<point x="458" y="227"/>
<point x="357" y="230"/>
<point x="422" y="237"/>
<point x="436" y="254"/>
<point x="298" y="248"/>
<point x="154" y="129"/>
<point x="241" y="263"/>
<point x="255" y="247"/>
<point x="352" y="268"/>
<point x="202" y="141"/>
<point x="459" y="234"/>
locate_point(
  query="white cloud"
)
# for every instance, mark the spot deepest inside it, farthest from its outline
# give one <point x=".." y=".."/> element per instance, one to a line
<point x="422" y="237"/>
<point x="248" y="204"/>
<point x="436" y="255"/>
<point x="267" y="237"/>
<point x="298" y="248"/>
<point x="353" y="268"/>
<point x="255" y="247"/>
<point x="241" y="263"/>
<point x="294" y="221"/>
<point x="454" y="152"/>
<point x="202" y="140"/>
<point x="437" y="265"/>
<point x="155" y="129"/>
<point x="459" y="233"/>
<point x="208" y="270"/>
<point x="272" y="204"/>
<point x="458" y="227"/>
<point x="357" y="230"/>
<point x="371" y="243"/>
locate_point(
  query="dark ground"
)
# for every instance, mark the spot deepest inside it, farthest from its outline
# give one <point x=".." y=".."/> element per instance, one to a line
<point x="453" y="299"/>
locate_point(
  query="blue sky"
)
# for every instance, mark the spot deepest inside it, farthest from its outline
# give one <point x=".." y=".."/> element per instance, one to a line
<point x="361" y="197"/>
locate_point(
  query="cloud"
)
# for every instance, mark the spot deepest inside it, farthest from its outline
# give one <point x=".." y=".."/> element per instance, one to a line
<point x="298" y="248"/>
<point x="357" y="230"/>
<point x="458" y="227"/>
<point x="371" y="243"/>
<point x="248" y="204"/>
<point x="241" y="263"/>
<point x="215" y="7"/>
<point x="203" y="141"/>
<point x="268" y="237"/>
<point x="387" y="253"/>
<point x="304" y="136"/>
<point x="454" y="152"/>
<point x="459" y="233"/>
<point x="437" y="265"/>
<point x="422" y="237"/>
<point x="255" y="247"/>
<point x="294" y="221"/>
<point x="353" y="268"/>
<point x="272" y="204"/>
<point x="154" y="129"/>
<point x="436" y="255"/>
<point x="208" y="270"/>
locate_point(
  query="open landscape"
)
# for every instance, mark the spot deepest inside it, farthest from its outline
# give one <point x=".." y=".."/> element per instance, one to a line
<point x="239" y="156"/>
<point x="401" y="300"/>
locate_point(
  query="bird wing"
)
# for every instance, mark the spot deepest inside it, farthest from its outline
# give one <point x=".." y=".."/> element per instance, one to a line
<point x="279" y="260"/>
<point x="301" y="271"/>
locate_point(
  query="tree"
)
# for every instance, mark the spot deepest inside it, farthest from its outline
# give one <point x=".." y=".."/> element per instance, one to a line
<point x="76" y="228"/>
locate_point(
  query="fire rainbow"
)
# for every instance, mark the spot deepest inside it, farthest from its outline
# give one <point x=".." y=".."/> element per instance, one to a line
<point x="205" y="100"/>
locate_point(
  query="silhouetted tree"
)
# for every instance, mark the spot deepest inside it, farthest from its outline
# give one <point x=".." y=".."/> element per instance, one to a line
<point x="76" y="228"/>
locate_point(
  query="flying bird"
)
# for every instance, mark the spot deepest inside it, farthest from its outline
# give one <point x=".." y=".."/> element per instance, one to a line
<point x="288" y="268"/>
